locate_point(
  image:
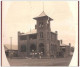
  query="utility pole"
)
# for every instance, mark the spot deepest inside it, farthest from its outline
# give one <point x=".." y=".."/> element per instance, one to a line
<point x="11" y="42"/>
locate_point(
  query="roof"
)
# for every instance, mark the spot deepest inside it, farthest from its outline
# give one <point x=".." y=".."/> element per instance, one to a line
<point x="34" y="31"/>
<point x="63" y="45"/>
<point x="42" y="15"/>
<point x="53" y="32"/>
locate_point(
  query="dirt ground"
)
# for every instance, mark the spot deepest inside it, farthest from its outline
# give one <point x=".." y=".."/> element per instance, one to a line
<point x="40" y="62"/>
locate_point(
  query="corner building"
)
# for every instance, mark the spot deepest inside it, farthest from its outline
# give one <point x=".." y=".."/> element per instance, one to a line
<point x="41" y="40"/>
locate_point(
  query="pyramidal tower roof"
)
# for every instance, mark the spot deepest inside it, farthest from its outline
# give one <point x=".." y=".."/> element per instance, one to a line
<point x="42" y="15"/>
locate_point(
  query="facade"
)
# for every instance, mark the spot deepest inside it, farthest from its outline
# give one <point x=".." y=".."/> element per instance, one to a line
<point x="65" y="50"/>
<point x="39" y="41"/>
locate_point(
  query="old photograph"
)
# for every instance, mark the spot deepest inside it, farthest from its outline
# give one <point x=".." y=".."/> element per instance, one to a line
<point x="39" y="33"/>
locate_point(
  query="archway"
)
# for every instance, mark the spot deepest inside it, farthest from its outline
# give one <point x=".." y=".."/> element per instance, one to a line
<point x="32" y="47"/>
<point x="41" y="48"/>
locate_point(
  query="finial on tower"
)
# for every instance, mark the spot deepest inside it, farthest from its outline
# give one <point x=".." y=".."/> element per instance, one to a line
<point x="42" y="15"/>
<point x="43" y="6"/>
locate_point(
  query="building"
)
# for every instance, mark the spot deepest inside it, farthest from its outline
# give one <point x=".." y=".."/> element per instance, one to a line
<point x="39" y="41"/>
<point x="65" y="50"/>
<point x="9" y="52"/>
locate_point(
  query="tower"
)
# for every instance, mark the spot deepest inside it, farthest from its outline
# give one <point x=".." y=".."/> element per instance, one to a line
<point x="43" y="33"/>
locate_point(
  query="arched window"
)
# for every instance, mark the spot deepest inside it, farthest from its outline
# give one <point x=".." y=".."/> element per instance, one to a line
<point x="33" y="47"/>
<point x="41" y="48"/>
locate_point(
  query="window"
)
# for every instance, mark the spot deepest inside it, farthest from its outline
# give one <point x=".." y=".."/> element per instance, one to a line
<point x="41" y="34"/>
<point x="23" y="48"/>
<point x="55" y="47"/>
<point x="40" y="24"/>
<point x="47" y="34"/>
<point x="32" y="36"/>
<point x="51" y="35"/>
<point x="23" y="37"/>
<point x="52" y="48"/>
<point x="63" y="50"/>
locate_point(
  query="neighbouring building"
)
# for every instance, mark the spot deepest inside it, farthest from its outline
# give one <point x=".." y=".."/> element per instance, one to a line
<point x="41" y="40"/>
<point x="9" y="51"/>
<point x="65" y="50"/>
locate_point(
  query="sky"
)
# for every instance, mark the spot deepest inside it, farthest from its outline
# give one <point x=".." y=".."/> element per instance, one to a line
<point x="18" y="16"/>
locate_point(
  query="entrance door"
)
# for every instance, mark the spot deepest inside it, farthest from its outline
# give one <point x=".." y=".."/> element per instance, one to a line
<point x="41" y="48"/>
<point x="32" y="47"/>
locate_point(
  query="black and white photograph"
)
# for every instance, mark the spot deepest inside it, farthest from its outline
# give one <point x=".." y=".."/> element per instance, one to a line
<point x="39" y="33"/>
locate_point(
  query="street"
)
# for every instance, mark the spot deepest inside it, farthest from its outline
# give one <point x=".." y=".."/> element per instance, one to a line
<point x="40" y="62"/>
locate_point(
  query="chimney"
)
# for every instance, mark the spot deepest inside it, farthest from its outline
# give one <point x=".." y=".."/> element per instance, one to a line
<point x="70" y="44"/>
<point x="22" y="33"/>
<point x="19" y="33"/>
<point x="35" y="26"/>
<point x="56" y="32"/>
